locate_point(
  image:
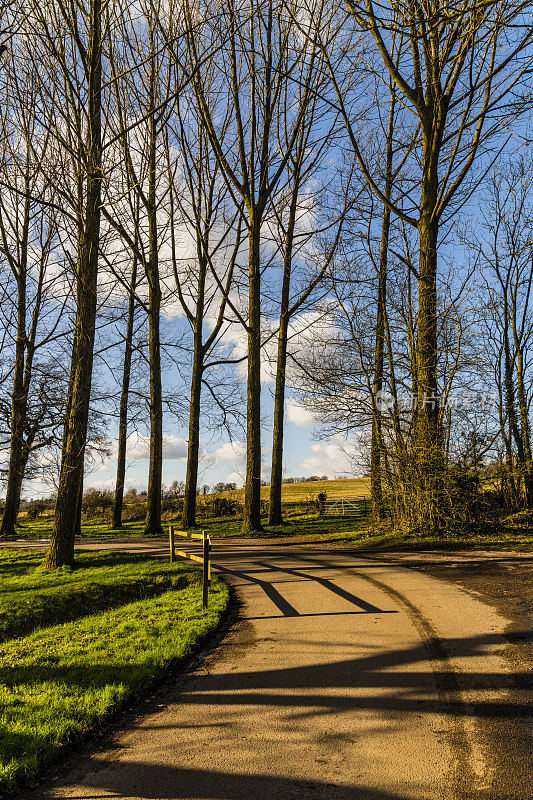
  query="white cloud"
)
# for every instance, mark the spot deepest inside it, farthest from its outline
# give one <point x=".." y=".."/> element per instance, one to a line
<point x="234" y="453"/>
<point x="235" y="477"/>
<point x="138" y="448"/>
<point x="174" y="447"/>
<point x="333" y="458"/>
<point x="299" y="415"/>
<point x="304" y="330"/>
<point x="110" y="483"/>
<point x="231" y="452"/>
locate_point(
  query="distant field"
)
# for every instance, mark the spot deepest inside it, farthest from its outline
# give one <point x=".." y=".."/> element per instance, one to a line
<point x="308" y="490"/>
<point x="303" y="493"/>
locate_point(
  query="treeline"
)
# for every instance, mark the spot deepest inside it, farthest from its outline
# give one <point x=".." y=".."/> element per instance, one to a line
<point x="293" y="176"/>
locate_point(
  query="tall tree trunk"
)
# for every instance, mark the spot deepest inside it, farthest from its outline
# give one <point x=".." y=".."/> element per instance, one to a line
<point x="275" y="516"/>
<point x="193" y="447"/>
<point x="61" y="549"/>
<point x="21" y="386"/>
<point x="18" y="419"/>
<point x="376" y="448"/>
<point x="153" y="525"/>
<point x="79" y="509"/>
<point x="191" y="480"/>
<point x="124" y="398"/>
<point x="252" y="490"/>
<point x="13" y="490"/>
<point x="515" y="434"/>
<point x="525" y="429"/>
<point x="429" y="460"/>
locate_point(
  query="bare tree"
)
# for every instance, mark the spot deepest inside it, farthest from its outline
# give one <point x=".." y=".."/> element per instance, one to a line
<point x="143" y="94"/>
<point x="124" y="399"/>
<point x="83" y="33"/>
<point x="26" y="243"/>
<point x="266" y="59"/>
<point x="306" y="248"/>
<point x="504" y="254"/>
<point x="460" y="74"/>
<point x="204" y="218"/>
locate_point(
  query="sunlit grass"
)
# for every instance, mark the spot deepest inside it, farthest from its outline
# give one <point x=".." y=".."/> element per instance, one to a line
<point x="42" y="528"/>
<point x="59" y="681"/>
<point x="31" y="597"/>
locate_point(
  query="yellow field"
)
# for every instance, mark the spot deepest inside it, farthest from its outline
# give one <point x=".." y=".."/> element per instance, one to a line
<point x="308" y="490"/>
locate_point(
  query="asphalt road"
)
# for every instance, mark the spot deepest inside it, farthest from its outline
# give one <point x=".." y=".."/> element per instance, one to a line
<point x="343" y="678"/>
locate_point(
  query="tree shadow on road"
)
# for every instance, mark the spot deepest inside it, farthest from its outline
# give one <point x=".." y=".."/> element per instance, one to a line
<point x="130" y="779"/>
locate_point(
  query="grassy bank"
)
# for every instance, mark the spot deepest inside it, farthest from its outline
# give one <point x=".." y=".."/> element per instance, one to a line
<point x="31" y="597"/>
<point x="503" y="539"/>
<point x="308" y="490"/>
<point x="60" y="681"/>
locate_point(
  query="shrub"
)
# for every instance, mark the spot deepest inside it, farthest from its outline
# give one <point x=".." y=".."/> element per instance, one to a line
<point x="34" y="508"/>
<point x="96" y="501"/>
<point x="224" y="507"/>
<point x="134" y="512"/>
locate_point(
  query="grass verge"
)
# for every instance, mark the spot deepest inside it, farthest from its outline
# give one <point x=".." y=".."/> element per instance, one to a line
<point x="397" y="540"/>
<point x="60" y="682"/>
<point x="32" y="598"/>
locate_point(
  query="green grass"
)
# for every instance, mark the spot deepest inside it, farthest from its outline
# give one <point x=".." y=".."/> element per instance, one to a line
<point x="31" y="597"/>
<point x="60" y="681"/>
<point x="398" y="540"/>
<point x="304" y="525"/>
<point x="359" y="533"/>
<point x="42" y="528"/>
<point x="301" y="527"/>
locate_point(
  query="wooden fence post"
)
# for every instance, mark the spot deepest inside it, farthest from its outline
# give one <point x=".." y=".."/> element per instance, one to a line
<point x="171" y="543"/>
<point x="206" y="570"/>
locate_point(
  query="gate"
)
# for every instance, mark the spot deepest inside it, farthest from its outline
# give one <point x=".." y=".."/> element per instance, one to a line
<point x="353" y="506"/>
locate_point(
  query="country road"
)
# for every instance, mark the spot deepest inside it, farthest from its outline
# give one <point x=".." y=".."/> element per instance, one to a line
<point x="342" y="678"/>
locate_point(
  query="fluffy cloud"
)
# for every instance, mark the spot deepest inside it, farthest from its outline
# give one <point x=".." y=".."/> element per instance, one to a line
<point x="299" y="415"/>
<point x="174" y="447"/>
<point x="334" y="458"/>
<point x="234" y="454"/>
<point x="230" y="452"/>
<point x="237" y="478"/>
<point x="304" y="330"/>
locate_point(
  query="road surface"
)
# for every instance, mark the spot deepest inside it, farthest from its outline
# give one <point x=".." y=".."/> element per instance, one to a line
<point x="344" y="678"/>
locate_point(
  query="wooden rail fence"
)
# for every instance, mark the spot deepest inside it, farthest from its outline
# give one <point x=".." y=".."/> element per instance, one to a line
<point x="204" y="559"/>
